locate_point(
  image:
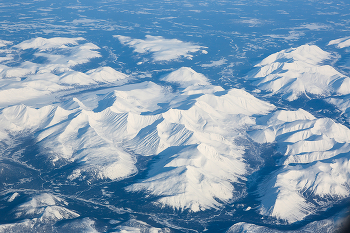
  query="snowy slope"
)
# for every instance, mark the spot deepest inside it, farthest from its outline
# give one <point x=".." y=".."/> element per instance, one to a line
<point x="200" y="159"/>
<point x="135" y="226"/>
<point x="47" y="44"/>
<point x="341" y="43"/>
<point x="299" y="71"/>
<point x="162" y="49"/>
<point x="41" y="212"/>
<point x="342" y="103"/>
<point x="46" y="207"/>
<point x="95" y="76"/>
<point x="204" y="128"/>
<point x="327" y="225"/>
<point x="186" y="77"/>
<point x="301" y="137"/>
<point x="193" y="136"/>
<point x="95" y="127"/>
<point x="34" y="82"/>
<point x="294" y="192"/>
<point x="320" y="147"/>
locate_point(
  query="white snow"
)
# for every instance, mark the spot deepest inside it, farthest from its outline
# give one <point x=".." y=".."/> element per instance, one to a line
<point x="186" y="77"/>
<point x="106" y="74"/>
<point x="13" y="197"/>
<point x="313" y="26"/>
<point x="105" y="132"/>
<point x="46" y="44"/>
<point x="95" y="76"/>
<point x="75" y="77"/>
<point x="86" y="138"/>
<point x="320" y="146"/>
<point x="141" y="97"/>
<point x="86" y="225"/>
<point x="30" y="82"/>
<point x="299" y="71"/>
<point x="342" y="103"/>
<point x="200" y="163"/>
<point x="36" y="225"/>
<point x="21" y="117"/>
<point x="326" y="225"/>
<point x="192" y="132"/>
<point x="4" y="43"/>
<point x="301" y="137"/>
<point x="287" y="194"/>
<point x="341" y="43"/>
<point x="192" y="82"/>
<point x="135" y="226"/>
<point x="162" y="49"/>
<point x="220" y="62"/>
<point x="45" y="207"/>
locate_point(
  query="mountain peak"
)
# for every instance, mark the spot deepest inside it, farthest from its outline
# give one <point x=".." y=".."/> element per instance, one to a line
<point x="186" y="77"/>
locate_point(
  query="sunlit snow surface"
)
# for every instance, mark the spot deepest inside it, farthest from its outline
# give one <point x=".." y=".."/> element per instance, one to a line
<point x="162" y="49"/>
<point x="172" y="116"/>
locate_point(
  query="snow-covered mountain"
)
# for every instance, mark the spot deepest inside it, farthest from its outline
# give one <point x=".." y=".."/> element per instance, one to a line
<point x="315" y="171"/>
<point x="31" y="83"/>
<point x="199" y="159"/>
<point x="139" y="226"/>
<point x="41" y="212"/>
<point x="327" y="225"/>
<point x="192" y="133"/>
<point x="300" y="71"/>
<point x="301" y="137"/>
<point x="294" y="192"/>
<point x="186" y="144"/>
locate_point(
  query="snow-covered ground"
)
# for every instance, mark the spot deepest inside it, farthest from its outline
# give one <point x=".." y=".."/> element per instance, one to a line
<point x="100" y="123"/>
<point x="294" y="72"/>
<point x="162" y="49"/>
<point x="193" y="134"/>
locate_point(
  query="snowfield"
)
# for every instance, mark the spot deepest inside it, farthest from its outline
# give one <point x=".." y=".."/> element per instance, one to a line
<point x="189" y="143"/>
<point x="294" y="192"/>
<point x="301" y="137"/>
<point x="299" y="71"/>
<point x="162" y="49"/>
<point x="40" y="212"/>
<point x="194" y="137"/>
